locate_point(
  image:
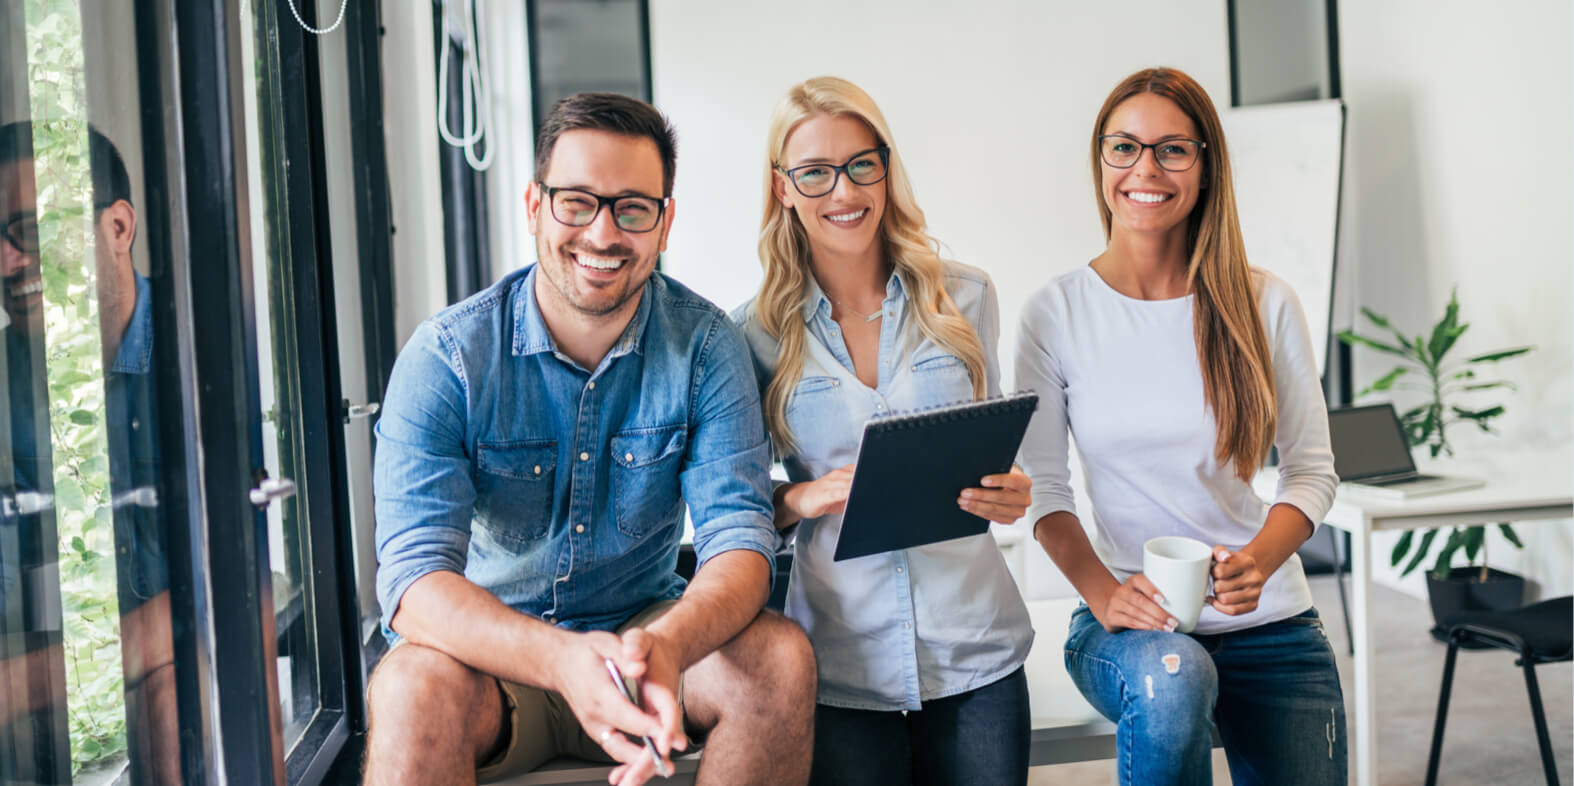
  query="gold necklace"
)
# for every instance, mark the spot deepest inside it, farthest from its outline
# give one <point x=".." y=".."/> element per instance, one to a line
<point x="867" y="318"/>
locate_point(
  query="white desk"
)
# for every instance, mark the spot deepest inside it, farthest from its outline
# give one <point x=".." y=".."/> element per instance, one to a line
<point x="1524" y="486"/>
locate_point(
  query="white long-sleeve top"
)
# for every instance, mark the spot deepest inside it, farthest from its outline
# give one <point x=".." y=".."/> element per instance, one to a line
<point x="1121" y="376"/>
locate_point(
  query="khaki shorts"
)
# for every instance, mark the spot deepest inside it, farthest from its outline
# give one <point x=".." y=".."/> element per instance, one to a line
<point x="540" y="726"/>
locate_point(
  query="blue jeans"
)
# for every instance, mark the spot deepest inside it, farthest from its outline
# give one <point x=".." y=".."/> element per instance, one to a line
<point x="978" y="737"/>
<point x="1272" y="691"/>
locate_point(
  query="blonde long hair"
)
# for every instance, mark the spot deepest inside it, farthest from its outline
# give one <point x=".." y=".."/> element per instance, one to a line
<point x="1237" y="369"/>
<point x="784" y="253"/>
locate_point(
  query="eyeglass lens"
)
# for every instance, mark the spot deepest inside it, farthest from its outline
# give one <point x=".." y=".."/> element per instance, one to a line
<point x="23" y="234"/>
<point x="579" y="208"/>
<point x="814" y="180"/>
<point x="1175" y="155"/>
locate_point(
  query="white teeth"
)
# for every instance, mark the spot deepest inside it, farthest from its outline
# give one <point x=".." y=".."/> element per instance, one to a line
<point x="599" y="263"/>
<point x="32" y="288"/>
<point x="1147" y="197"/>
<point x="849" y="218"/>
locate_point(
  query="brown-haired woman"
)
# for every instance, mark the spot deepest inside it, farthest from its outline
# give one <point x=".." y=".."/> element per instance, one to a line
<point x="1177" y="366"/>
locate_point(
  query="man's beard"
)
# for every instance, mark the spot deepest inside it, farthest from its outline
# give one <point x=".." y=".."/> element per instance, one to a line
<point x="591" y="301"/>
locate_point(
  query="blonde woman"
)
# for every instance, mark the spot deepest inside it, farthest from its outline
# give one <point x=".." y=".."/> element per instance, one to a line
<point x="920" y="651"/>
<point x="1177" y="366"/>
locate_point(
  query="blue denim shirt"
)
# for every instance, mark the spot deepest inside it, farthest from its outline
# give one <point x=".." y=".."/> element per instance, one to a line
<point x="892" y="630"/>
<point x="561" y="490"/>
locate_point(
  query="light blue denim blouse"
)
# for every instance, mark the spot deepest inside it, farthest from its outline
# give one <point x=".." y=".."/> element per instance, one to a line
<point x="892" y="630"/>
<point x="561" y="489"/>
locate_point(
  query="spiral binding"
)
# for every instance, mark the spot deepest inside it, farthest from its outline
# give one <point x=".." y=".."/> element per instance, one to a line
<point x="950" y="413"/>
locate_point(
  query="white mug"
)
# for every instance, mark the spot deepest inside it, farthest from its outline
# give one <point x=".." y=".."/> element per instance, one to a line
<point x="1178" y="566"/>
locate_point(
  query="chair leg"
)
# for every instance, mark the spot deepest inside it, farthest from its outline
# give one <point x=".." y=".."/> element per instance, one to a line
<point x="1547" y="762"/>
<point x="1442" y="712"/>
<point x="1349" y="632"/>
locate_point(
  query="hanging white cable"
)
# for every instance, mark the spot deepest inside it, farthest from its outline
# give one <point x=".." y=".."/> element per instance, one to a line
<point x="326" y="30"/>
<point x="475" y="101"/>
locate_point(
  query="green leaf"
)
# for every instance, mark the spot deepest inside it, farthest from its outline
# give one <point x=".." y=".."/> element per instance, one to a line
<point x="78" y="545"/>
<point x="1426" y="543"/>
<point x="1472" y="541"/>
<point x="1377" y="319"/>
<point x="1386" y="381"/>
<point x="1490" y="386"/>
<point x="1502" y="354"/>
<point x="1447" y="329"/>
<point x="1350" y="337"/>
<point x="1478" y="415"/>
<point x="83" y="417"/>
<point x="1445" y="556"/>
<point x="1508" y="535"/>
<point x="1401" y="547"/>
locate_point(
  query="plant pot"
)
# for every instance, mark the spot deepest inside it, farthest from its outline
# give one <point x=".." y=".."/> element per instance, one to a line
<point x="1464" y="591"/>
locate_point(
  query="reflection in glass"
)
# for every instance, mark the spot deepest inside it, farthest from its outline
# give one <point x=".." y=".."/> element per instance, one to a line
<point x="86" y="659"/>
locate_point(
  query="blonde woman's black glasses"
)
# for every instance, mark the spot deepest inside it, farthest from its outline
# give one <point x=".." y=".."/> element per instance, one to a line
<point x="577" y="208"/>
<point x="1173" y="155"/>
<point x="817" y="180"/>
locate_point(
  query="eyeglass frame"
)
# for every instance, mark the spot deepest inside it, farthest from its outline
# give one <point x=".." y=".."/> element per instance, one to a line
<point x="17" y="218"/>
<point x="604" y="201"/>
<point x="1144" y="147"/>
<point x="885" y="163"/>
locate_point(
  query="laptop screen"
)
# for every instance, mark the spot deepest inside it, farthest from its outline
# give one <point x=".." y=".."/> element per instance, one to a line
<point x="1368" y="442"/>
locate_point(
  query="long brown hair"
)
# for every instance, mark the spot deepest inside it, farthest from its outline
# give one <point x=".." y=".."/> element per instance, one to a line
<point x="1232" y="348"/>
<point x="784" y="253"/>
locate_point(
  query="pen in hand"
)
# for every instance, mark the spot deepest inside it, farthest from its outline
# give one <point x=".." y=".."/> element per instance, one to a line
<point x="617" y="679"/>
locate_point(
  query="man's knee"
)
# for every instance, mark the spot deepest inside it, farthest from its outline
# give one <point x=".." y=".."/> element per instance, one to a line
<point x="783" y="651"/>
<point x="416" y="681"/>
<point x="769" y="664"/>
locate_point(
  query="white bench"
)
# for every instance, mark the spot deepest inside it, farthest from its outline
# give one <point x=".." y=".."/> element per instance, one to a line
<point x="1065" y="727"/>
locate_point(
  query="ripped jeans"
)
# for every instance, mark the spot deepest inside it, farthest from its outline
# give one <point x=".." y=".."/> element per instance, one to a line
<point x="1273" y="692"/>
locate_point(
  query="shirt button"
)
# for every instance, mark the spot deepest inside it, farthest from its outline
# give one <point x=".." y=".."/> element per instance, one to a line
<point x="538" y="469"/>
<point x="579" y="528"/>
<point x="552" y="620"/>
<point x="898" y="568"/>
<point x="584" y="456"/>
<point x="590" y="385"/>
<point x="836" y="383"/>
<point x="907" y="626"/>
<point x="629" y="457"/>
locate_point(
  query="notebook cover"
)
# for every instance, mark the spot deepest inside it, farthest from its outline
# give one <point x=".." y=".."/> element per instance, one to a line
<point x="912" y="467"/>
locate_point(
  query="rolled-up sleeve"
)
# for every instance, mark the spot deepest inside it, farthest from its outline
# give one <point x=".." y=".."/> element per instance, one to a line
<point x="1045" y="448"/>
<point x="1306" y="460"/>
<point x="424" y="490"/>
<point x="726" y="476"/>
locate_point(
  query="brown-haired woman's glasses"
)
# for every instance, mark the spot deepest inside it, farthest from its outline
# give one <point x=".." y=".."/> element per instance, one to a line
<point x="817" y="180"/>
<point x="578" y="208"/>
<point x="1173" y="155"/>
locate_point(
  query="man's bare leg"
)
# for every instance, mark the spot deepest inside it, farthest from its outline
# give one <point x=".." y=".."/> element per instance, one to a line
<point x="756" y="697"/>
<point x="431" y="719"/>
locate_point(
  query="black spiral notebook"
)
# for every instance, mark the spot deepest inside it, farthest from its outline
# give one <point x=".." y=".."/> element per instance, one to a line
<point x="913" y="466"/>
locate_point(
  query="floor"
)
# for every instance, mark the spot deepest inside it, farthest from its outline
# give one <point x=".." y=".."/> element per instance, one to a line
<point x="1490" y="738"/>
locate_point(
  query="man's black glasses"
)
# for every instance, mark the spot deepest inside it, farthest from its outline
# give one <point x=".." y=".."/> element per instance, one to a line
<point x="577" y="208"/>
<point x="817" y="180"/>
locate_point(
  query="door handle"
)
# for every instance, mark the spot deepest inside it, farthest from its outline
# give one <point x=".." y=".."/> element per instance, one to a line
<point x="358" y="411"/>
<point x="271" y="489"/>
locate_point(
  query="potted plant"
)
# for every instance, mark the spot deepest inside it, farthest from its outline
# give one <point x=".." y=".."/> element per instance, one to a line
<point x="1426" y="368"/>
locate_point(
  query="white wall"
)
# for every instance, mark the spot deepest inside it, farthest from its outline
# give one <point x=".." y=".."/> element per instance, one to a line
<point x="963" y="85"/>
<point x="410" y="122"/>
<point x="1458" y="172"/>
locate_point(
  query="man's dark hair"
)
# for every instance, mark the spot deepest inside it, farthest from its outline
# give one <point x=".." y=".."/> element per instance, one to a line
<point x="608" y="112"/>
<point x="111" y="183"/>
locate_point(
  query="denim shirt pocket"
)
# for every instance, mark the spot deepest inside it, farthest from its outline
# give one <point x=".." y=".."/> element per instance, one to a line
<point x="810" y="390"/>
<point x="514" y="487"/>
<point x="941" y="378"/>
<point x="646" y="463"/>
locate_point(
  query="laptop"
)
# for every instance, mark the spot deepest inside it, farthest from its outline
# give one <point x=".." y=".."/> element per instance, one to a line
<point x="1372" y="456"/>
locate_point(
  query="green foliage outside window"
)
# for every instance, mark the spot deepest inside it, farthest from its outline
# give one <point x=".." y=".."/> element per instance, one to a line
<point x="75" y="371"/>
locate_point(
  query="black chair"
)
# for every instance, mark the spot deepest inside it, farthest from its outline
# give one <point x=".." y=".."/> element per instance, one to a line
<point x="1540" y="633"/>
